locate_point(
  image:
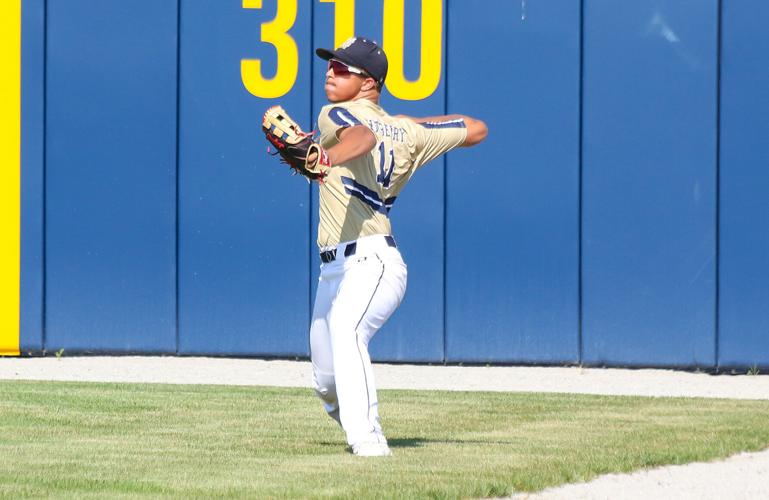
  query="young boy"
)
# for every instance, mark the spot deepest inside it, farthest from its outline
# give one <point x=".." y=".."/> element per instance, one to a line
<point x="363" y="277"/>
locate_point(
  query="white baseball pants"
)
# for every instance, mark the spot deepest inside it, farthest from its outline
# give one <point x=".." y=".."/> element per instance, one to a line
<point x="356" y="295"/>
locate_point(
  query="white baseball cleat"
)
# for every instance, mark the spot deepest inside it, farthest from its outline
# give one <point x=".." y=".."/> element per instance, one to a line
<point x="371" y="450"/>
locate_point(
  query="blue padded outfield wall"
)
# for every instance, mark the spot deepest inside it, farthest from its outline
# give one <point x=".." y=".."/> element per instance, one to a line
<point x="616" y="215"/>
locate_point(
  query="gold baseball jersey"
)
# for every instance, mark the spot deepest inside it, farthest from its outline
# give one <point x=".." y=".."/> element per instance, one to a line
<point x="356" y="197"/>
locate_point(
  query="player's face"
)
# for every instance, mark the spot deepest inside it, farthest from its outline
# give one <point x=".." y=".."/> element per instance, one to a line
<point x="343" y="82"/>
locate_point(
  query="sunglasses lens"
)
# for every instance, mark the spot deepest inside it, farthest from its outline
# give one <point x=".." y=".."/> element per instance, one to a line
<point x="339" y="68"/>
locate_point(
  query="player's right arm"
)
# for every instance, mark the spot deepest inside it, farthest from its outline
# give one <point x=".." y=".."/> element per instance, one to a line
<point x="476" y="129"/>
<point x="436" y="135"/>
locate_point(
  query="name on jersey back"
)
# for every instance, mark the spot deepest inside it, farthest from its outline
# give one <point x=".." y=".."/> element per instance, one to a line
<point x="397" y="134"/>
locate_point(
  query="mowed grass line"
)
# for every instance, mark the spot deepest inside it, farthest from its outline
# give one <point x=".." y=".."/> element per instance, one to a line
<point x="62" y="439"/>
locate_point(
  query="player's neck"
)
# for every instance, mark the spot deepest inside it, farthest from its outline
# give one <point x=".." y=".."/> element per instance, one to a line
<point x="367" y="95"/>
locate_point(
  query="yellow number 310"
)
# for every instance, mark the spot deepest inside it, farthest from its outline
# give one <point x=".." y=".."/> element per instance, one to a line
<point x="276" y="34"/>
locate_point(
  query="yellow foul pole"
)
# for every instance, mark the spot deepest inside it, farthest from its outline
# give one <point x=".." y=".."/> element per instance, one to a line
<point x="10" y="174"/>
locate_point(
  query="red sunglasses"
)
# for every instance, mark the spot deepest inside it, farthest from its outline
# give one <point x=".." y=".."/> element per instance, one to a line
<point x="342" y="69"/>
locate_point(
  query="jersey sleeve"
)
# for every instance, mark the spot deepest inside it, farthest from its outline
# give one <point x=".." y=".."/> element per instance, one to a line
<point x="332" y="119"/>
<point x="436" y="138"/>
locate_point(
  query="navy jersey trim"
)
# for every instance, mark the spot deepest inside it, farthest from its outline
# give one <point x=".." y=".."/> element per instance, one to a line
<point x="456" y="123"/>
<point x="343" y="117"/>
<point x="368" y="196"/>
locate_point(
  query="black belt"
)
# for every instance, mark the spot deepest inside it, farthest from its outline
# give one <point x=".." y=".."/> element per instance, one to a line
<point x="330" y="255"/>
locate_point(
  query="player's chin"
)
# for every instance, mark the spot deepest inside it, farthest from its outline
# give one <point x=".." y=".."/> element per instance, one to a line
<point x="331" y="93"/>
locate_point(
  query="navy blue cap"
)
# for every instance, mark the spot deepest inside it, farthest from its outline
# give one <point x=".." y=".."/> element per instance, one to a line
<point x="361" y="53"/>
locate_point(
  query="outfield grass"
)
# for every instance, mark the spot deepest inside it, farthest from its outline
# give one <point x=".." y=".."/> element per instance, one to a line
<point x="129" y="440"/>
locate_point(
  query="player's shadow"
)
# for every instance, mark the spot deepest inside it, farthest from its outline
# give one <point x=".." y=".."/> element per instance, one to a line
<point x="393" y="443"/>
<point x="419" y="442"/>
<point x="406" y="442"/>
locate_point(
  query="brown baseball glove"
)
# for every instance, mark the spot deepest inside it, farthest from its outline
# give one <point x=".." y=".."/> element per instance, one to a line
<point x="298" y="149"/>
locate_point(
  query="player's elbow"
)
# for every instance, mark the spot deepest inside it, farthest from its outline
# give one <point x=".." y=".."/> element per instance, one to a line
<point x="476" y="131"/>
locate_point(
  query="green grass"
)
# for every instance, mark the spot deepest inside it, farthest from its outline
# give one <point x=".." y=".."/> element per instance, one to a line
<point x="130" y="440"/>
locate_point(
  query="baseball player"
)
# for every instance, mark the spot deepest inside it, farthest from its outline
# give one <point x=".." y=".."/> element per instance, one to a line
<point x="364" y="159"/>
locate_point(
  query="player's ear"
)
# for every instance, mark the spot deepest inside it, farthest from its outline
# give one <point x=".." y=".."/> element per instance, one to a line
<point x="369" y="84"/>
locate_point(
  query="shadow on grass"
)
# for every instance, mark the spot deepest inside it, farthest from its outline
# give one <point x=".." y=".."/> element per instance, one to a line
<point x="419" y="442"/>
<point x="406" y="442"/>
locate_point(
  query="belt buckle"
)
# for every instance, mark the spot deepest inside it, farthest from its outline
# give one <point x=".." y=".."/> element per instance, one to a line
<point x="328" y="256"/>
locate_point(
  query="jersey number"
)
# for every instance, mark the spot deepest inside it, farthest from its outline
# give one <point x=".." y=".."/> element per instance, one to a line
<point x="384" y="175"/>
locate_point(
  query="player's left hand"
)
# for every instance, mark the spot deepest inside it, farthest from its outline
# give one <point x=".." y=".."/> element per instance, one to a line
<point x="297" y="148"/>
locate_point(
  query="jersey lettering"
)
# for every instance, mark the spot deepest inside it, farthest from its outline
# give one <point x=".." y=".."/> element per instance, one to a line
<point x="397" y="134"/>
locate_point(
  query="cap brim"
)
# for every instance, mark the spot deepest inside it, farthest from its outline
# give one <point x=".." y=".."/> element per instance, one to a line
<point x="336" y="54"/>
<point x="325" y="54"/>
